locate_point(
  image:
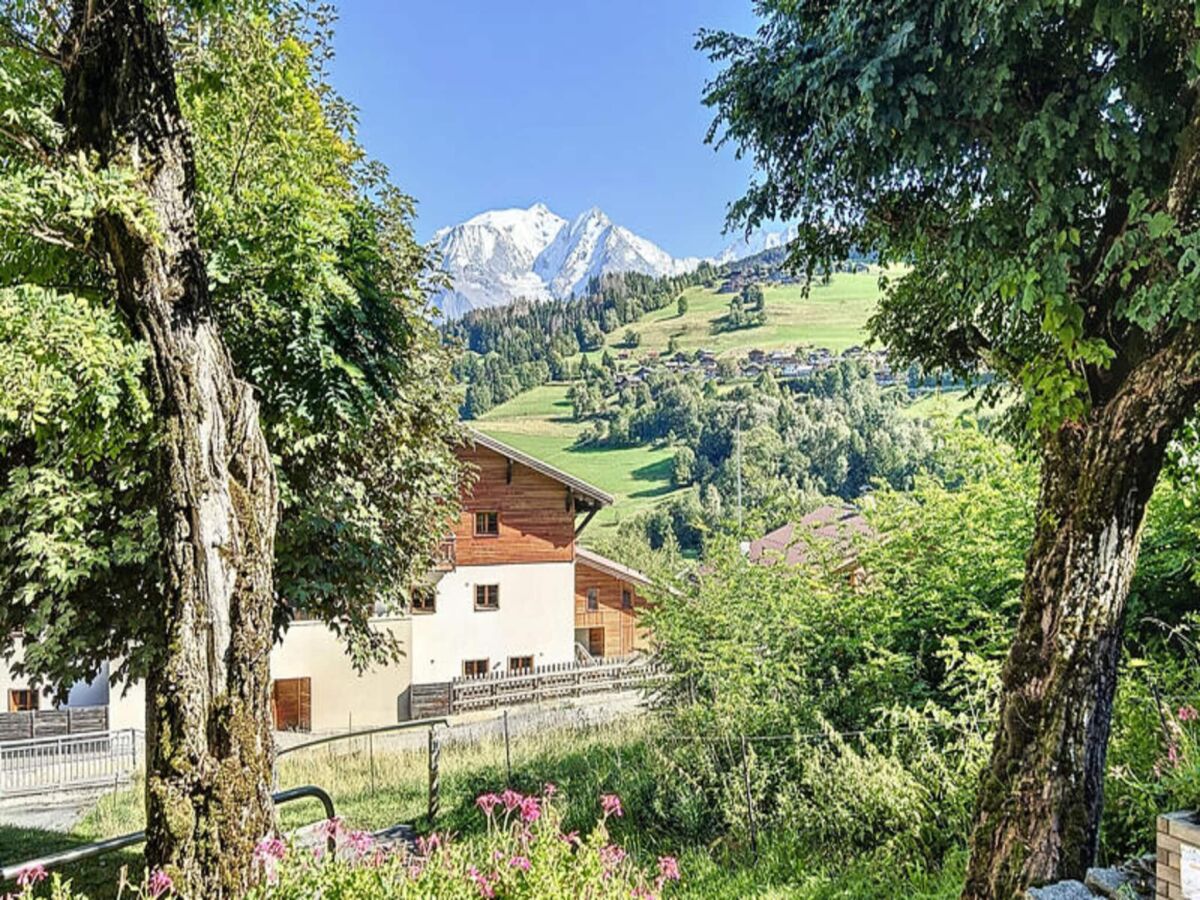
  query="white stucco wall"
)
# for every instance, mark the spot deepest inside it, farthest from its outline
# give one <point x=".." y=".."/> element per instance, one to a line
<point x="82" y="693"/>
<point x="536" y="618"/>
<point x="342" y="698"/>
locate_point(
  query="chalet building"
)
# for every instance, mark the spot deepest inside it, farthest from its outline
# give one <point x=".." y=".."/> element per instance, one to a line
<point x="608" y="596"/>
<point x="513" y="590"/>
<point x="504" y="603"/>
<point x="794" y="544"/>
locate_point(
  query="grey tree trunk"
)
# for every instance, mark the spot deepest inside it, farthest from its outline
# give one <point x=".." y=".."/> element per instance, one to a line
<point x="208" y="725"/>
<point x="1040" y="800"/>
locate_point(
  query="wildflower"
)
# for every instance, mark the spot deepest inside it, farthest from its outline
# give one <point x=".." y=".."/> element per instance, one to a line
<point x="611" y="805"/>
<point x="332" y="828"/>
<point x="31" y="875"/>
<point x="426" y="845"/>
<point x="511" y="799"/>
<point x="158" y="884"/>
<point x="611" y="856"/>
<point x="520" y="862"/>
<point x="361" y="842"/>
<point x="572" y="838"/>
<point x="531" y="810"/>
<point x="1173" y="754"/>
<point x="487" y="802"/>
<point x="668" y="868"/>
<point x="1188" y="714"/>
<point x="643" y="893"/>
<point x="269" y="848"/>
<point x="549" y="789"/>
<point x="481" y="883"/>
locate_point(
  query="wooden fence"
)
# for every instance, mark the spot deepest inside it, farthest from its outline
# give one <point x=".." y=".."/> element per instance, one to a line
<point x="48" y="723"/>
<point x="551" y="682"/>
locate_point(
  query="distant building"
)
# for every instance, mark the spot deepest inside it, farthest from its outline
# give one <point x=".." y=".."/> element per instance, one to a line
<point x="793" y="544"/>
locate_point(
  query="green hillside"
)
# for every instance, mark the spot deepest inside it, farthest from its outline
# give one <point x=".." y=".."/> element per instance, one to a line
<point x="539" y="423"/>
<point x="834" y="315"/>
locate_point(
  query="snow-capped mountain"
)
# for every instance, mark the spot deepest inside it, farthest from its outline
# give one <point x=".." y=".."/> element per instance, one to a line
<point x="757" y="242"/>
<point x="502" y="255"/>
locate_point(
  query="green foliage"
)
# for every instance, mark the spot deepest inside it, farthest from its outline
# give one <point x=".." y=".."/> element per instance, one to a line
<point x="1030" y="164"/>
<point x="319" y="288"/>
<point x="683" y="466"/>
<point x="681" y="306"/>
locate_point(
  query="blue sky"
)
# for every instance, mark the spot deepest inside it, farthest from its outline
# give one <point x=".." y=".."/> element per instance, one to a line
<point x="475" y="105"/>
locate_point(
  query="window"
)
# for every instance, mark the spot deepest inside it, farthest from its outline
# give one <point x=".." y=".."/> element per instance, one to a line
<point x="22" y="700"/>
<point x="593" y="599"/>
<point x="626" y="598"/>
<point x="487" y="524"/>
<point x="475" y="668"/>
<point x="487" y="596"/>
<point x="424" y="599"/>
<point x="520" y="664"/>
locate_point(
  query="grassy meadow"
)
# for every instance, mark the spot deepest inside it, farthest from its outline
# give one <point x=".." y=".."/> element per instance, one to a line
<point x="539" y="422"/>
<point x="833" y="315"/>
<point x="373" y="790"/>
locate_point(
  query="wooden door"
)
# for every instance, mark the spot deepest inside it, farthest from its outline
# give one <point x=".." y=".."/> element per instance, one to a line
<point x="291" y="699"/>
<point x="596" y="641"/>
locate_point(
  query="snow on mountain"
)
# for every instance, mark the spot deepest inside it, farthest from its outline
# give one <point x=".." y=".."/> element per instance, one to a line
<point x="757" y="242"/>
<point x="502" y="255"/>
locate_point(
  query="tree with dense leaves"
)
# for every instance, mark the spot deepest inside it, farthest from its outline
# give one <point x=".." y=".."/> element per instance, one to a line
<point x="183" y="207"/>
<point x="1034" y="165"/>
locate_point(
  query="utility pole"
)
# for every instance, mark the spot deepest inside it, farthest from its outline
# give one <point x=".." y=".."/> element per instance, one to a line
<point x="738" y="438"/>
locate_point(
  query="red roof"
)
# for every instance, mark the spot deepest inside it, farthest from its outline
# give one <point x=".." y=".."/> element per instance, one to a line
<point x="790" y="543"/>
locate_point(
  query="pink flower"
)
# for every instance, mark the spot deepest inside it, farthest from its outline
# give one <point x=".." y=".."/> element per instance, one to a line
<point x="611" y="805"/>
<point x="1173" y="754"/>
<point x="481" y="883"/>
<point x="1188" y="714"/>
<point x="331" y="828"/>
<point x="159" y="883"/>
<point x="572" y="838"/>
<point x="31" y="875"/>
<point x="511" y="799"/>
<point x="361" y="842"/>
<point x="531" y="810"/>
<point x="519" y="862"/>
<point x="643" y="893"/>
<point x="668" y="868"/>
<point x="549" y="789"/>
<point x="487" y="802"/>
<point x="269" y="848"/>
<point x="611" y="856"/>
<point x="426" y="845"/>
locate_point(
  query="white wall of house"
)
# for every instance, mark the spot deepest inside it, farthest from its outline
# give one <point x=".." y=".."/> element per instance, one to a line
<point x="82" y="693"/>
<point x="536" y="618"/>
<point x="341" y="697"/>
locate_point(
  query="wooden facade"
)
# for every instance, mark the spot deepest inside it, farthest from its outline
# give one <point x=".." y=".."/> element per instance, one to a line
<point x="607" y="601"/>
<point x="536" y="514"/>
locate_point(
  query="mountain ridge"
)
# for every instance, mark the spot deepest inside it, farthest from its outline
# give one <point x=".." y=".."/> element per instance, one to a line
<point x="499" y="256"/>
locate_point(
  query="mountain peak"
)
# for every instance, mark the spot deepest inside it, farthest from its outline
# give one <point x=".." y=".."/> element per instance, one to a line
<point x="501" y="255"/>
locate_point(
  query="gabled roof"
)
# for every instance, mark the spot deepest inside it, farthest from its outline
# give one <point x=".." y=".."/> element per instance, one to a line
<point x="838" y="525"/>
<point x="577" y="485"/>
<point x="610" y="567"/>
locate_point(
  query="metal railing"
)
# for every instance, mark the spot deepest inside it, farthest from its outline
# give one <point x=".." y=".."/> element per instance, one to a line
<point x="552" y="682"/>
<point x="99" y="848"/>
<point x="68" y="761"/>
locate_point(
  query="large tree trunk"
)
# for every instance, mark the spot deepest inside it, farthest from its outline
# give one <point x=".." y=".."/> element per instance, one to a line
<point x="208" y="725"/>
<point x="1038" y="810"/>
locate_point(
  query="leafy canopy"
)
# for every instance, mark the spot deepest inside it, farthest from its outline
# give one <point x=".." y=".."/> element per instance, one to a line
<point x="1032" y="162"/>
<point x="319" y="288"/>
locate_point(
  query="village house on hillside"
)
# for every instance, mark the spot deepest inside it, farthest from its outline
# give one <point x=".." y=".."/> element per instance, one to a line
<point x="793" y="544"/>
<point x="512" y="591"/>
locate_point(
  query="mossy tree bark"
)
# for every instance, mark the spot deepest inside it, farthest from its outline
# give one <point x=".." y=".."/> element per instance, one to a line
<point x="208" y="726"/>
<point x="1038" y="810"/>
